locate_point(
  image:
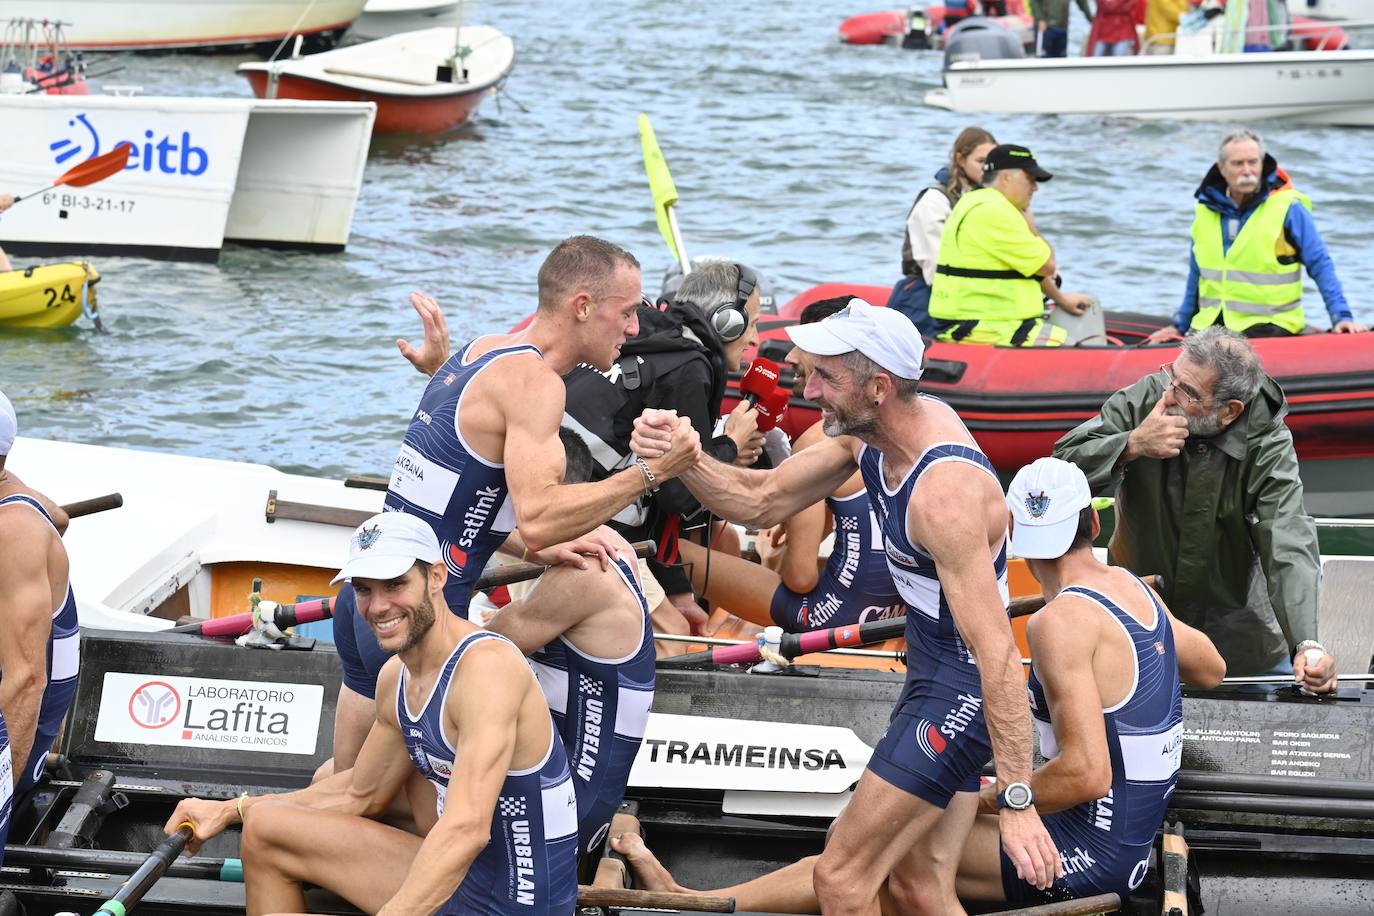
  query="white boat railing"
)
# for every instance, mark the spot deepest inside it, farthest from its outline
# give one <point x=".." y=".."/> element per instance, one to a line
<point x="1219" y="34"/>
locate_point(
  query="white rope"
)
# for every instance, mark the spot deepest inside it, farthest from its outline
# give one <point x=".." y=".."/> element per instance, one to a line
<point x="287" y="37"/>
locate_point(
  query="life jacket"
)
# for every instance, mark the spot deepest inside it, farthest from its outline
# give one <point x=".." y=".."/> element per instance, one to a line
<point x="909" y="266"/>
<point x="1255" y="281"/>
<point x="976" y="297"/>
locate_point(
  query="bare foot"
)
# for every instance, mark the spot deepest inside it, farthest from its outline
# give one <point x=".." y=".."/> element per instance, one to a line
<point x="650" y="875"/>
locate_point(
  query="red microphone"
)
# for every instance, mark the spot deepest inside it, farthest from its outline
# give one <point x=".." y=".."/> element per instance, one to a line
<point x="772" y="408"/>
<point x="759" y="381"/>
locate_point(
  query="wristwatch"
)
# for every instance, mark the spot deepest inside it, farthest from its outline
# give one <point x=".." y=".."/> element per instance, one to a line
<point x="1017" y="796"/>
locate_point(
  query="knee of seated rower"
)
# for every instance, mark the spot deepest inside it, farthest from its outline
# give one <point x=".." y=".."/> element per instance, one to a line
<point x="268" y="829"/>
<point x="842" y="884"/>
<point x="916" y="894"/>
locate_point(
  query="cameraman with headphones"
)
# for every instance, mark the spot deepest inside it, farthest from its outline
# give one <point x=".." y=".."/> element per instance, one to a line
<point x="680" y="361"/>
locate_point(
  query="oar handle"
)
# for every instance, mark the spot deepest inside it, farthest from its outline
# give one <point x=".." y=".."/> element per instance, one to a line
<point x="93" y="505"/>
<point x="587" y="895"/>
<point x="132" y="891"/>
<point x="1102" y="903"/>
<point x="286" y="615"/>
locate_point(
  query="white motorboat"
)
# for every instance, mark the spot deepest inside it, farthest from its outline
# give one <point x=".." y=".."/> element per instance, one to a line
<point x="1331" y="9"/>
<point x="383" y="18"/>
<point x="422" y="82"/>
<point x="202" y="171"/>
<point x="126" y="25"/>
<point x="1312" y="87"/>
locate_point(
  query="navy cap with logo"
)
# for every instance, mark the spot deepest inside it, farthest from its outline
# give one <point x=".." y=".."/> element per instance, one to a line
<point x="1010" y="156"/>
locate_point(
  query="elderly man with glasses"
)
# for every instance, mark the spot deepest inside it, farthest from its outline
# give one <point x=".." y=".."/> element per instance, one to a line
<point x="1208" y="493"/>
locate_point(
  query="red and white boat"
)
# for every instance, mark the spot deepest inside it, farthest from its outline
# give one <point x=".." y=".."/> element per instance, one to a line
<point x="920" y="28"/>
<point x="422" y="82"/>
<point x="1018" y="400"/>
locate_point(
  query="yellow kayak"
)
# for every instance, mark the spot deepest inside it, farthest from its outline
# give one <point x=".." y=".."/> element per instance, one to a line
<point x="48" y="296"/>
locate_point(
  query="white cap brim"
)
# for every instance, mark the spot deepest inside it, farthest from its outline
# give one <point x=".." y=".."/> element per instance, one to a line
<point x="816" y="339"/>
<point x="1043" y="542"/>
<point x="374" y="567"/>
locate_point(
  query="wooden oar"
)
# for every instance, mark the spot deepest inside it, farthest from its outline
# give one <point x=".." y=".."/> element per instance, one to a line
<point x="93" y="505"/>
<point x="132" y="891"/>
<point x="853" y="636"/>
<point x="290" y="615"/>
<point x="89" y="172"/>
<point x="587" y="895"/>
<point x="1102" y="903"/>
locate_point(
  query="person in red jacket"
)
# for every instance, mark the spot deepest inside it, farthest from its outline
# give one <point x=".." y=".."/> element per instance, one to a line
<point x="1113" y="33"/>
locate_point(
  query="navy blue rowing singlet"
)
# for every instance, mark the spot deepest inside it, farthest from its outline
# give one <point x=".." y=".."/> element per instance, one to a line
<point x="530" y="863"/>
<point x="438" y="477"/>
<point x="601" y="708"/>
<point x="64" y="664"/>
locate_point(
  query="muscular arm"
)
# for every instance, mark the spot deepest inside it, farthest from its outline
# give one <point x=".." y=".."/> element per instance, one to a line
<point x="26" y="609"/>
<point x="547" y="612"/>
<point x="952" y="515"/>
<point x="354" y="715"/>
<point x="1063" y="637"/>
<point x="547" y="511"/>
<point x="761" y="499"/>
<point x="1199" y="662"/>
<point x="805" y="531"/>
<point x="484" y="720"/>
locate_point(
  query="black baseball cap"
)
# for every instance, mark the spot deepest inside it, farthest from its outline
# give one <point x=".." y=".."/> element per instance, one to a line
<point x="1010" y="156"/>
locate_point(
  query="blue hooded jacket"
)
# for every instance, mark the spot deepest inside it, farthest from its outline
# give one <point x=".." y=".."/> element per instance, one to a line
<point x="1298" y="227"/>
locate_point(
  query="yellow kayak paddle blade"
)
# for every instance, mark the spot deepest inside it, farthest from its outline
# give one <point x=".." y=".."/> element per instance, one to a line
<point x="660" y="181"/>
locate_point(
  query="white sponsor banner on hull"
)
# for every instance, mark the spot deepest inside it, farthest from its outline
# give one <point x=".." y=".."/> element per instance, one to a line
<point x="209" y="712"/>
<point x="174" y="193"/>
<point x="703" y="752"/>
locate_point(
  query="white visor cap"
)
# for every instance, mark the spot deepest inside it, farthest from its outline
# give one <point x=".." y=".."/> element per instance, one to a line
<point x="1045" y="499"/>
<point x="884" y="335"/>
<point x="387" y="545"/>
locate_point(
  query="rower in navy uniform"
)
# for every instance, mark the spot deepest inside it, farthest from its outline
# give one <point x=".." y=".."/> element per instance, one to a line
<point x="944" y="525"/>
<point x="590" y="643"/>
<point x="461" y="707"/>
<point x="40" y="644"/>
<point x="1104" y="687"/>
<point x="482" y="457"/>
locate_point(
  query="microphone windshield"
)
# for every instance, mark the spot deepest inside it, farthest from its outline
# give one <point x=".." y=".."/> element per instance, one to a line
<point x="772" y="408"/>
<point x="761" y="379"/>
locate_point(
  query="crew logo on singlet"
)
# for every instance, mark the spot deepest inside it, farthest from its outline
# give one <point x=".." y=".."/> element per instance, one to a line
<point x="819" y="614"/>
<point x="592" y="714"/>
<point x="523" y="858"/>
<point x="931" y="742"/>
<point x="421" y="482"/>
<point x="476" y="517"/>
<point x="896" y="555"/>
<point x="959" y="718"/>
<point x="874" y="612"/>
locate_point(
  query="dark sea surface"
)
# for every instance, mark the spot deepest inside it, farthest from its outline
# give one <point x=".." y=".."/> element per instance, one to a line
<point x="790" y="151"/>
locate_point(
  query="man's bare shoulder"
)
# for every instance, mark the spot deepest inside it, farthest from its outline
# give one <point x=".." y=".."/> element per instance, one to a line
<point x="24" y="538"/>
<point x="1065" y="616"/>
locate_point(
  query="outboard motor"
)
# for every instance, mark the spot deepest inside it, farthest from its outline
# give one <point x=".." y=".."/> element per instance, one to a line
<point x="979" y="38"/>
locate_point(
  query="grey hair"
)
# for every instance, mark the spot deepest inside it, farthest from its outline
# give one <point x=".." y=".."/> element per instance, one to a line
<point x="1237" y="136"/>
<point x="1238" y="370"/>
<point x="710" y="285"/>
<point x="864" y="369"/>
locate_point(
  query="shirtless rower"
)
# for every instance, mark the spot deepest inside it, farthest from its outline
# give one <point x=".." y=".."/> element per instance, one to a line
<point x="1104" y="690"/>
<point x="590" y="643"/>
<point x="40" y="644"/>
<point x="944" y="526"/>
<point x="854" y="586"/>
<point x="477" y="473"/>
<point x="502" y="836"/>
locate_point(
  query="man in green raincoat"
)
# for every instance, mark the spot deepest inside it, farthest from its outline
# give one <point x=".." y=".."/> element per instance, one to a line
<point x="1208" y="494"/>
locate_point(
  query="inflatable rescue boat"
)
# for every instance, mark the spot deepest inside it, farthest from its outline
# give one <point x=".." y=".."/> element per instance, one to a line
<point x="1018" y="400"/>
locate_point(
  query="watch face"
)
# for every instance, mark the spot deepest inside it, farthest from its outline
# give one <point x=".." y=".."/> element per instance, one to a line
<point x="1018" y="795"/>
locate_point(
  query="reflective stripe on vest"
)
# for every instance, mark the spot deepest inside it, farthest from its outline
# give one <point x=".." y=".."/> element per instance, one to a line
<point x="972" y="284"/>
<point x="1248" y="285"/>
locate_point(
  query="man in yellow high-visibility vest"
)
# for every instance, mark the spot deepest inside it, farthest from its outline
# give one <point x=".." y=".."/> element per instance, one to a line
<point x="1252" y="234"/>
<point x="994" y="268"/>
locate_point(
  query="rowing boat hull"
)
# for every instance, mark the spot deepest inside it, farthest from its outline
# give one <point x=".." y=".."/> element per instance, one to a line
<point x="396" y="114"/>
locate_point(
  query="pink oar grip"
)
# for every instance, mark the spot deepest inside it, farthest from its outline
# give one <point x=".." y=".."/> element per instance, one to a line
<point x="236" y="625"/>
<point x="315" y="609"/>
<point x="734" y="655"/>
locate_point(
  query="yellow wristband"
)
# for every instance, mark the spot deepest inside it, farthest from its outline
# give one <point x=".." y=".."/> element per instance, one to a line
<point x="239" y="806"/>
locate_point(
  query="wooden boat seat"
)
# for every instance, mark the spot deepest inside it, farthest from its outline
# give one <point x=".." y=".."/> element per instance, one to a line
<point x="411" y="73"/>
<point x="1345" y="624"/>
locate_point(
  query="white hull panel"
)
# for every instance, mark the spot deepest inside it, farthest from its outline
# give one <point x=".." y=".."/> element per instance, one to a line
<point x="1327" y="87"/>
<point x="1331" y="9"/>
<point x="202" y="170"/>
<point x="134" y="24"/>
<point x="382" y="18"/>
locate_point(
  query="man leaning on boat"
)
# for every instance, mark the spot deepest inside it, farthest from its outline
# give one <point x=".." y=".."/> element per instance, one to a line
<point x="1208" y="495"/>
<point x="1252" y="234"/>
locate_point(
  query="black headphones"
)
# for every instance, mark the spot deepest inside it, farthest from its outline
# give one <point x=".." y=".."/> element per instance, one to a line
<point x="730" y="321"/>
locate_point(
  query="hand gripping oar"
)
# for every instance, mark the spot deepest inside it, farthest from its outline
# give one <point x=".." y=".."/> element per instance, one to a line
<point x="290" y="615"/>
<point x="864" y="634"/>
<point x="89" y="172"/>
<point x="629" y="898"/>
<point x="132" y="891"/>
<point x="93" y="505"/>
